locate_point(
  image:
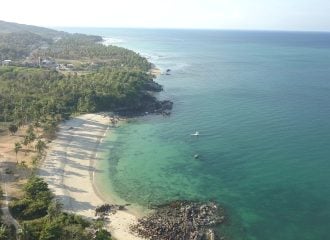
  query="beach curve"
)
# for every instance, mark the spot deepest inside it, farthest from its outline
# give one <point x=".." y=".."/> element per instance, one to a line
<point x="69" y="169"/>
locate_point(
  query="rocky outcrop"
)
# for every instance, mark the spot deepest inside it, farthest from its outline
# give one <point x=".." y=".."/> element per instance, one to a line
<point x="163" y="107"/>
<point x="148" y="105"/>
<point x="105" y="210"/>
<point x="152" y="86"/>
<point x="181" y="220"/>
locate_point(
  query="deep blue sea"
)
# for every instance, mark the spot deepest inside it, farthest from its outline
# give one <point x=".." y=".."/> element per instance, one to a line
<point x="261" y="102"/>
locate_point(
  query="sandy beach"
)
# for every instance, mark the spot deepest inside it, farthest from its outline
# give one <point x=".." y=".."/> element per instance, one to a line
<point x="69" y="170"/>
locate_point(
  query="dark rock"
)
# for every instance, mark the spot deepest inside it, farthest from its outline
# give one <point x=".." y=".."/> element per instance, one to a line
<point x="181" y="220"/>
<point x="148" y="104"/>
<point x="106" y="209"/>
<point x="153" y="86"/>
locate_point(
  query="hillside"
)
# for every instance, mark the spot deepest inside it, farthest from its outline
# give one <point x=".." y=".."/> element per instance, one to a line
<point x="9" y="27"/>
<point x="41" y="77"/>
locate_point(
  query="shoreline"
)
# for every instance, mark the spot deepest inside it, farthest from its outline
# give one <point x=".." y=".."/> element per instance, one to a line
<point x="70" y="166"/>
<point x="107" y="194"/>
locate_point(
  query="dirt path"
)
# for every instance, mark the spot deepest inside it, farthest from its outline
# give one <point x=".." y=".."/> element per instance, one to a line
<point x="7" y="217"/>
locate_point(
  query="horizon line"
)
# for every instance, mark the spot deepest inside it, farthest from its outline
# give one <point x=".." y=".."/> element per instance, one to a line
<point x="175" y="28"/>
<point x="188" y="28"/>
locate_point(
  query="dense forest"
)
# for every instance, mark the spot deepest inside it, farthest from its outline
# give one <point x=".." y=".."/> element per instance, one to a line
<point x="88" y="49"/>
<point x="33" y="94"/>
<point x="19" y="45"/>
<point x="10" y="27"/>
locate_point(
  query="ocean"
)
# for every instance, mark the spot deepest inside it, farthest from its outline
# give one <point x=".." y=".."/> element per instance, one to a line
<point x="261" y="103"/>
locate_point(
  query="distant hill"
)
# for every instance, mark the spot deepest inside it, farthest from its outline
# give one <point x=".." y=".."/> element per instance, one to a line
<point x="9" y="27"/>
<point x="19" y="41"/>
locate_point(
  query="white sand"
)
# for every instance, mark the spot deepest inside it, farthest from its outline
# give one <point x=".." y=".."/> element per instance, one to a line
<point x="69" y="170"/>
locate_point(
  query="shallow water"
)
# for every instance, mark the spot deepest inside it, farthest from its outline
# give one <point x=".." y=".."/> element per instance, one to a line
<point x="261" y="103"/>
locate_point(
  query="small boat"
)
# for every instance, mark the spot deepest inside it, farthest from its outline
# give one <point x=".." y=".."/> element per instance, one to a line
<point x="195" y="134"/>
<point x="196" y="156"/>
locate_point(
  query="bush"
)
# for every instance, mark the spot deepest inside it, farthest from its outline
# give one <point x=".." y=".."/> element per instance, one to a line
<point x="12" y="128"/>
<point x="102" y="235"/>
<point x="43" y="219"/>
<point x="35" y="201"/>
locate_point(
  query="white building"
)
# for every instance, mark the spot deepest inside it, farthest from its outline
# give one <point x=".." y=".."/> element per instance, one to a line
<point x="6" y="62"/>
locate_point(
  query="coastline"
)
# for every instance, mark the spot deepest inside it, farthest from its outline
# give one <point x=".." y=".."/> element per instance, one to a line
<point x="69" y="169"/>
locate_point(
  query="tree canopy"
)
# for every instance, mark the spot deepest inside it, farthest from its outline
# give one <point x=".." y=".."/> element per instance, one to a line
<point x="28" y="94"/>
<point x="95" y="77"/>
<point x="42" y="217"/>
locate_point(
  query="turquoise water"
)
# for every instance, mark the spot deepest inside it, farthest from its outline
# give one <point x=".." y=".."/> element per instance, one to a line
<point x="261" y="101"/>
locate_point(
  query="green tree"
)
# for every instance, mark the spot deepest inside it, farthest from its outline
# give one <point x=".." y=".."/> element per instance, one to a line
<point x="51" y="231"/>
<point x="31" y="136"/>
<point x="25" y="141"/>
<point x="35" y="201"/>
<point x="4" y="232"/>
<point x="54" y="210"/>
<point x="102" y="234"/>
<point x="25" y="232"/>
<point x="35" y="186"/>
<point x="13" y="129"/>
<point x="44" y="219"/>
<point x="17" y="147"/>
<point x="40" y="147"/>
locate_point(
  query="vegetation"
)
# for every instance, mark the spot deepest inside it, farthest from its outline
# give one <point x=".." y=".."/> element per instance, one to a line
<point x="45" y="77"/>
<point x="40" y="147"/>
<point x="9" y="27"/>
<point x="41" y="95"/>
<point x="17" y="41"/>
<point x="19" y="45"/>
<point x="12" y="128"/>
<point x="55" y="76"/>
<point x="92" y="54"/>
<point x="6" y="232"/>
<point x="17" y="147"/>
<point x="35" y="202"/>
<point x="42" y="218"/>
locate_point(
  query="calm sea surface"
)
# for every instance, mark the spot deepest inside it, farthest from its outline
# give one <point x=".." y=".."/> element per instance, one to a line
<point x="261" y="102"/>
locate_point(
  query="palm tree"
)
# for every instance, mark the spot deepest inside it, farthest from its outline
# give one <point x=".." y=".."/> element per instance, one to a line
<point x="40" y="147"/>
<point x="26" y="142"/>
<point x="54" y="209"/>
<point x="3" y="232"/>
<point x="24" y="232"/>
<point x="30" y="134"/>
<point x="17" y="147"/>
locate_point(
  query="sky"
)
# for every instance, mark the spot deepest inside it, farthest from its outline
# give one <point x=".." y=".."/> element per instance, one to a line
<point x="300" y="15"/>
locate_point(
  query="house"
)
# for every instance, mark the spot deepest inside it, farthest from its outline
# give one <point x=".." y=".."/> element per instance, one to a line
<point x="6" y="62"/>
<point x="49" y="63"/>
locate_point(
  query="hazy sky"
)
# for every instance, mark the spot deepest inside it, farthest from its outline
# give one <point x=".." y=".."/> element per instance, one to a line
<point x="222" y="14"/>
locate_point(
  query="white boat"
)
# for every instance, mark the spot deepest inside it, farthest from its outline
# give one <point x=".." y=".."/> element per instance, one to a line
<point x="195" y="134"/>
